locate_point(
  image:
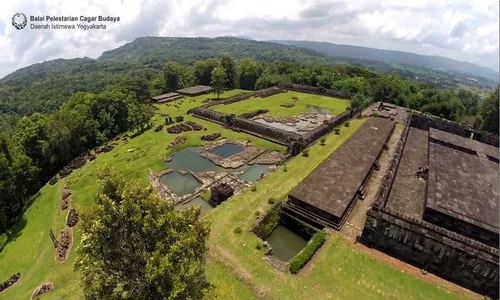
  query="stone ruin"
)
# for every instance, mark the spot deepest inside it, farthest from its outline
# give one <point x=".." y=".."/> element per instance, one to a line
<point x="287" y="105"/>
<point x="43" y="289"/>
<point x="159" y="128"/>
<point x="104" y="149"/>
<point x="253" y="114"/>
<point x="186" y="126"/>
<point x="64" y="244"/>
<point x="76" y="163"/>
<point x="65" y="197"/>
<point x="177" y="141"/>
<point x="72" y="218"/>
<point x="210" y="137"/>
<point x="10" y="282"/>
<point x="220" y="193"/>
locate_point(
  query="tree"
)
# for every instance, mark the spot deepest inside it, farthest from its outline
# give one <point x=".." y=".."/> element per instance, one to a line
<point x="203" y="70"/>
<point x="173" y="75"/>
<point x="136" y="246"/>
<point x="218" y="80"/>
<point x="137" y="87"/>
<point x="470" y="100"/>
<point x="229" y="66"/>
<point x="249" y="72"/>
<point x="489" y="113"/>
<point x="358" y="101"/>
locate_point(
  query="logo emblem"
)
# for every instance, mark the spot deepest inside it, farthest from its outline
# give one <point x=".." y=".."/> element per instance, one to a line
<point x="19" y="21"/>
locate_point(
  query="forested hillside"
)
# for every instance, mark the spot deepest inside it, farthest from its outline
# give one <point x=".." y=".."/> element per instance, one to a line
<point x="399" y="57"/>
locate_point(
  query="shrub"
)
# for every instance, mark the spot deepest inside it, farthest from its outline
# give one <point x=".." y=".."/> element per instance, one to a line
<point x="205" y="195"/>
<point x="271" y="200"/>
<point x="300" y="260"/>
<point x="322" y="141"/>
<point x="392" y="118"/>
<point x="337" y="130"/>
<point x="254" y="188"/>
<point x="376" y="114"/>
<point x="3" y="241"/>
<point x="305" y="152"/>
<point x="179" y="119"/>
<point x="346" y="124"/>
<point x="285" y="169"/>
<point x="237" y="230"/>
<point x="258" y="246"/>
<point x="257" y="213"/>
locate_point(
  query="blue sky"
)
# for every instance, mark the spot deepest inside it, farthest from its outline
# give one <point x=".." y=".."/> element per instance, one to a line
<point x="462" y="30"/>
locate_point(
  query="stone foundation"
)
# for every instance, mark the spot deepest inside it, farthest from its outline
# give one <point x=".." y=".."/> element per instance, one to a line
<point x="43" y="289"/>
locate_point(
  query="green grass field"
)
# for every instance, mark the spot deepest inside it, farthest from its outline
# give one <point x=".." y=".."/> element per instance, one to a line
<point x="337" y="106"/>
<point x="234" y="266"/>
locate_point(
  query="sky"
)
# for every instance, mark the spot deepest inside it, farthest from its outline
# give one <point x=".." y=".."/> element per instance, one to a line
<point x="462" y="30"/>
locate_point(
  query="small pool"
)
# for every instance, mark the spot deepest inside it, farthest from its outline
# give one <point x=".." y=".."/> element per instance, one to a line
<point x="227" y="149"/>
<point x="204" y="205"/>
<point x="191" y="160"/>
<point x="286" y="243"/>
<point x="254" y="173"/>
<point x="180" y="184"/>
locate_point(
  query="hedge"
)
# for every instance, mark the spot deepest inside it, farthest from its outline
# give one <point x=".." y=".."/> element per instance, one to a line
<point x="301" y="259"/>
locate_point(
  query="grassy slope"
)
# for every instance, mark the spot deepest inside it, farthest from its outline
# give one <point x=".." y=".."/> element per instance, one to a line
<point x="237" y="271"/>
<point x="32" y="252"/>
<point x="273" y="104"/>
<point x="337" y="272"/>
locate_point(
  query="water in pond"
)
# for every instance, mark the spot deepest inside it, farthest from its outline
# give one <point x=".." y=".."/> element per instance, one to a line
<point x="227" y="149"/>
<point x="190" y="159"/>
<point x="253" y="173"/>
<point x="204" y="205"/>
<point x="286" y="244"/>
<point x="319" y="109"/>
<point x="180" y="184"/>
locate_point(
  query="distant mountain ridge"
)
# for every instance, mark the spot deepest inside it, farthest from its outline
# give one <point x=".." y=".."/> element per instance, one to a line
<point x="393" y="56"/>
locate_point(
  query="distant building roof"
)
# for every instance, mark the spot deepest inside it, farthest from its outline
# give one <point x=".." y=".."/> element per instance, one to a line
<point x="165" y="96"/>
<point x="195" y="90"/>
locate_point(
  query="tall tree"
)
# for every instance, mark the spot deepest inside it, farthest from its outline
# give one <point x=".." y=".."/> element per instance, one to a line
<point x="489" y="112"/>
<point x="173" y="75"/>
<point x="229" y="66"/>
<point x="136" y="246"/>
<point x="470" y="100"/>
<point x="138" y="88"/>
<point x="203" y="70"/>
<point x="218" y="80"/>
<point x="249" y="72"/>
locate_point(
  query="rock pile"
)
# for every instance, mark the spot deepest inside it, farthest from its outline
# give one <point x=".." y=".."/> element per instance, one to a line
<point x="105" y="148"/>
<point x="186" y="126"/>
<point x="43" y="289"/>
<point x="177" y="141"/>
<point x="9" y="282"/>
<point x="159" y="128"/>
<point x="65" y="197"/>
<point x="72" y="218"/>
<point x="210" y="137"/>
<point x="63" y="245"/>
<point x="288" y="105"/>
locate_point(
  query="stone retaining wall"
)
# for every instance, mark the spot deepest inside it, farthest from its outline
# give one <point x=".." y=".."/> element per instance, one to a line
<point x="315" y="90"/>
<point x="442" y="252"/>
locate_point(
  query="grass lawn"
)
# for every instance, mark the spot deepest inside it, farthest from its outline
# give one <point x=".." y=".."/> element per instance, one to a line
<point x="234" y="266"/>
<point x="337" y="106"/>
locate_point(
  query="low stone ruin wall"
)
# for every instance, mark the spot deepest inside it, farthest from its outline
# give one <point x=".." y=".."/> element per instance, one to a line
<point x="268" y="92"/>
<point x="486" y="137"/>
<point x="314" y="90"/>
<point x="209" y="114"/>
<point x="10" y="282"/>
<point x="43" y="289"/>
<point x="386" y="184"/>
<point x="265" y="224"/>
<point x="437" y="250"/>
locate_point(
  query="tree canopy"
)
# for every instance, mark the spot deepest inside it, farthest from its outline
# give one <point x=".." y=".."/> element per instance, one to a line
<point x="135" y="246"/>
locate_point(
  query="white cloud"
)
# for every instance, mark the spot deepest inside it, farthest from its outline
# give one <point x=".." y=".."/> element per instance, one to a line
<point x="461" y="30"/>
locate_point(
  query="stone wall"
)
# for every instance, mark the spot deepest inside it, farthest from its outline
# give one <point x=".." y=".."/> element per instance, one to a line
<point x="437" y="250"/>
<point x="386" y="184"/>
<point x="424" y="121"/>
<point x="265" y="224"/>
<point x="323" y="129"/>
<point x="467" y="229"/>
<point x="299" y="227"/>
<point x="314" y="90"/>
<point x="282" y="135"/>
<point x="260" y="93"/>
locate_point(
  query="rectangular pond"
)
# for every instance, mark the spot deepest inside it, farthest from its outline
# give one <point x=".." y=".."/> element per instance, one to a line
<point x="204" y="205"/>
<point x="285" y="243"/>
<point x="254" y="173"/>
<point x="227" y="149"/>
<point x="180" y="184"/>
